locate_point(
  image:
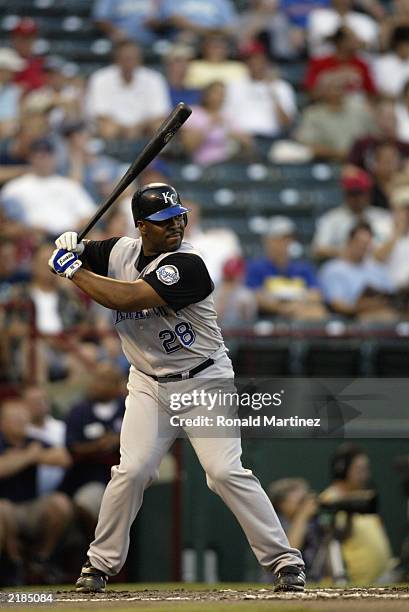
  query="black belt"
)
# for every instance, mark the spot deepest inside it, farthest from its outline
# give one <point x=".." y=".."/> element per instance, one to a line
<point x="184" y="375"/>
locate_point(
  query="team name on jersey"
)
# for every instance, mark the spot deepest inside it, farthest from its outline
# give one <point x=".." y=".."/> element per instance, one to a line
<point x="147" y="313"/>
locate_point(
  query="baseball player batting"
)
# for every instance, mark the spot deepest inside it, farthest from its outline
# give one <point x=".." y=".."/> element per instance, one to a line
<point x="160" y="294"/>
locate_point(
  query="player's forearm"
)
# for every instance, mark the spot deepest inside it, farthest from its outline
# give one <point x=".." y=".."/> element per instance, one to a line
<point x="117" y="295"/>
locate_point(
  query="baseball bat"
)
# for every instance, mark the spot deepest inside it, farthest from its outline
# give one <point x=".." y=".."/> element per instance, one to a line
<point x="159" y="140"/>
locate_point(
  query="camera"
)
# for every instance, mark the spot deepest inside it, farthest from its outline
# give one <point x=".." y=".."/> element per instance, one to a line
<point x="360" y="502"/>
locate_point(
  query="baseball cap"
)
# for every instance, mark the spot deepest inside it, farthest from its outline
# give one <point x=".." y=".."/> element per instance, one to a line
<point x="254" y="47"/>
<point x="356" y="180"/>
<point x="400" y="196"/>
<point x="233" y="268"/>
<point x="10" y="60"/>
<point x="42" y="145"/>
<point x="280" y="226"/>
<point x="25" y="27"/>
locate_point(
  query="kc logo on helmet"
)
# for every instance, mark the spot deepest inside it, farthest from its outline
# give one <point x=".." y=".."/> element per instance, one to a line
<point x="170" y="197"/>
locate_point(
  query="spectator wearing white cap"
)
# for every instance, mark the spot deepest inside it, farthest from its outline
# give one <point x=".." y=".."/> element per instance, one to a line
<point x="10" y="64"/>
<point x="284" y="286"/>
<point x="395" y="251"/>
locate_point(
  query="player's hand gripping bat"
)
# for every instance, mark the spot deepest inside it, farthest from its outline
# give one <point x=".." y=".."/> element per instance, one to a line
<point x="159" y="140"/>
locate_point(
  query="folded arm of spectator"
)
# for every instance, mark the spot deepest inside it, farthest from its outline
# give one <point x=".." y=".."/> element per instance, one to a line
<point x="15" y="460"/>
<point x="94" y="448"/>
<point x="58" y="456"/>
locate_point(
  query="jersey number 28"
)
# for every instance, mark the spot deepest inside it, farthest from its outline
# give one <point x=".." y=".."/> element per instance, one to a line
<point x="184" y="335"/>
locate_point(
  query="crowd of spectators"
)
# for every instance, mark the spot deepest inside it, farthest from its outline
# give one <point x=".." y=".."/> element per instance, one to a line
<point x="351" y="108"/>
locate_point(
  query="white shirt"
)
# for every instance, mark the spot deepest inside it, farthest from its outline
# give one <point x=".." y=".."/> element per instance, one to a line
<point x="324" y="22"/>
<point x="216" y="246"/>
<point x="398" y="263"/>
<point x="52" y="433"/>
<point x="48" y="319"/>
<point x="53" y="203"/>
<point x="390" y="73"/>
<point x="334" y="226"/>
<point x="402" y="122"/>
<point x="251" y="105"/>
<point x="145" y="97"/>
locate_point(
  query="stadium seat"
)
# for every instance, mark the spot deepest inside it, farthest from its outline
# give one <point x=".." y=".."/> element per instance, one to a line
<point x="332" y="358"/>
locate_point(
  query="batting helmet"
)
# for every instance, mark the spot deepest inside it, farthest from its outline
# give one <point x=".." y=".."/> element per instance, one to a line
<point x="157" y="202"/>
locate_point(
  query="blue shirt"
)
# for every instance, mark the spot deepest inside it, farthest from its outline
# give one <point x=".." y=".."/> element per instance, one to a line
<point x="207" y="13"/>
<point x="9" y="102"/>
<point x="344" y="281"/>
<point x="191" y="97"/>
<point x="87" y="422"/>
<point x="298" y="11"/>
<point x="129" y="16"/>
<point x="259" y="271"/>
<point x="21" y="486"/>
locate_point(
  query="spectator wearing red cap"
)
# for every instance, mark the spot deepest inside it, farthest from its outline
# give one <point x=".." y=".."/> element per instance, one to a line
<point x="261" y="103"/>
<point x="236" y="304"/>
<point x="334" y="226"/>
<point x="23" y="37"/>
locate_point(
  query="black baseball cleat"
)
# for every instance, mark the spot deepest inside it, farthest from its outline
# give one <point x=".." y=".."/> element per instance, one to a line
<point x="92" y="580"/>
<point x="290" y="578"/>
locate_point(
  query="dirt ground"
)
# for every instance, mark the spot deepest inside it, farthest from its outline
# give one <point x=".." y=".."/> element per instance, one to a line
<point x="229" y="600"/>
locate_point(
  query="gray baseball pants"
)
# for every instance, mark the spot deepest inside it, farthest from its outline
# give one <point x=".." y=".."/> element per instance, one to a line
<point x="146" y="436"/>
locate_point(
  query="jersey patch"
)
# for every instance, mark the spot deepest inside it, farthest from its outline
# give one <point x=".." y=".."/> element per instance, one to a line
<point x="169" y="275"/>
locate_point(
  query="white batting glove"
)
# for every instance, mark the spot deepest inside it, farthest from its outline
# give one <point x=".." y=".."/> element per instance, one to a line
<point x="69" y="242"/>
<point x="64" y="263"/>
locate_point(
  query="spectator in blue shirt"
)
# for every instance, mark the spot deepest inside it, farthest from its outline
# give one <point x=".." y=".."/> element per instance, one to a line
<point x="354" y="284"/>
<point x="198" y="16"/>
<point x="10" y="64"/>
<point x="22" y="512"/>
<point x="121" y="19"/>
<point x="298" y="11"/>
<point x="92" y="437"/>
<point x="176" y="64"/>
<point x="284" y="286"/>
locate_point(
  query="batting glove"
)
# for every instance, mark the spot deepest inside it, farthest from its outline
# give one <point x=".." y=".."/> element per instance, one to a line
<point x="69" y="242"/>
<point x="64" y="263"/>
